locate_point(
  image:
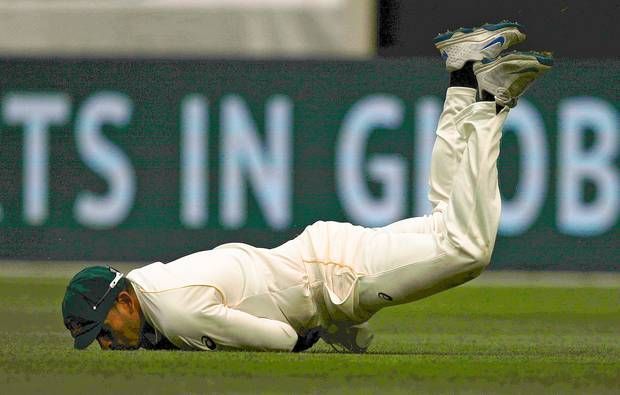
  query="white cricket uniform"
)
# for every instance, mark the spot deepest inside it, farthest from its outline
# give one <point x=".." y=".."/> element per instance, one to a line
<point x="239" y="296"/>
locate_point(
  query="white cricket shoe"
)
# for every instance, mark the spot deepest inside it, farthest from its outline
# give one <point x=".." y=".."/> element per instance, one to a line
<point x="508" y="76"/>
<point x="476" y="43"/>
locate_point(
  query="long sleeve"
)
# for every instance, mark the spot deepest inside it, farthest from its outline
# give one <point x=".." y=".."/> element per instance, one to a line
<point x="224" y="326"/>
<point x="213" y="302"/>
<point x="199" y="319"/>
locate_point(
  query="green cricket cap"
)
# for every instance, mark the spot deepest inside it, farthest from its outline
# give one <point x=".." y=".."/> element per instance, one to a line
<point x="89" y="297"/>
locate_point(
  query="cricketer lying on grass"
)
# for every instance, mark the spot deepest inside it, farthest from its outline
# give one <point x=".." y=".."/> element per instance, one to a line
<point x="330" y="280"/>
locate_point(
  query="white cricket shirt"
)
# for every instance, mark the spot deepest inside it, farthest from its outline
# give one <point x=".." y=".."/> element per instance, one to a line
<point x="234" y="296"/>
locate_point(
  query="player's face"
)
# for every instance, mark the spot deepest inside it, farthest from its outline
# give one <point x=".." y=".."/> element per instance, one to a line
<point x="122" y="328"/>
<point x="111" y="339"/>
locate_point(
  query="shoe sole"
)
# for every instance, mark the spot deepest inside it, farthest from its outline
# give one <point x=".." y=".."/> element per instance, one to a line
<point x="445" y="39"/>
<point x="544" y="59"/>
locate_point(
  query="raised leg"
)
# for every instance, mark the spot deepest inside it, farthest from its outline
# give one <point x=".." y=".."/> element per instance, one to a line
<point x="449" y="146"/>
<point x="447" y="152"/>
<point x="393" y="268"/>
<point x="408" y="267"/>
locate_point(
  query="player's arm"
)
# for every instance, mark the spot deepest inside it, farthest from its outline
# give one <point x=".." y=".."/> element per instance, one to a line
<point x="223" y="326"/>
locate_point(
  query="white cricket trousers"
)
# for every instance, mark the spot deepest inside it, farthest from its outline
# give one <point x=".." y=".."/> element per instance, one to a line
<point x="418" y="257"/>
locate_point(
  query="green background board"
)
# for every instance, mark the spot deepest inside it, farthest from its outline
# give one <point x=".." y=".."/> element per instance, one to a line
<point x="321" y="93"/>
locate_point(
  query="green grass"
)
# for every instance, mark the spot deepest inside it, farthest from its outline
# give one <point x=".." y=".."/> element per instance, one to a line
<point x="473" y="339"/>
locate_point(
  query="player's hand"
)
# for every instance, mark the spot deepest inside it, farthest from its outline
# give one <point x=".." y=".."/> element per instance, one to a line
<point x="308" y="339"/>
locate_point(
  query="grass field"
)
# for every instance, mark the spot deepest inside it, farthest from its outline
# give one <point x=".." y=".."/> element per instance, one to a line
<point x="528" y="337"/>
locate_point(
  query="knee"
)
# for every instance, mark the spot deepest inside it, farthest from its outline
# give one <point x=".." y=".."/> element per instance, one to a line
<point x="476" y="254"/>
<point x="480" y="256"/>
<point x="471" y="264"/>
